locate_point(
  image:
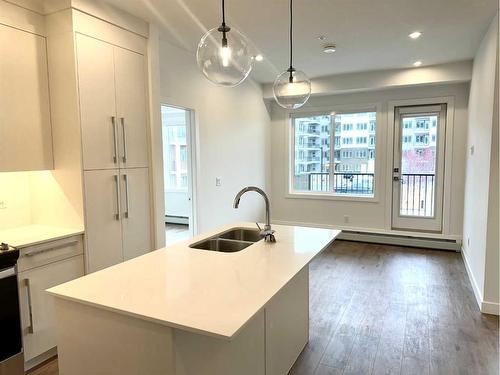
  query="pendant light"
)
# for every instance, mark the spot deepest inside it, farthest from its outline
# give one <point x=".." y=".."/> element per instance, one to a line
<point x="224" y="55"/>
<point x="292" y="88"/>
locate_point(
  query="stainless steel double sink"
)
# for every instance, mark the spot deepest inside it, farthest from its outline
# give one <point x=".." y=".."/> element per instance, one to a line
<point x="229" y="241"/>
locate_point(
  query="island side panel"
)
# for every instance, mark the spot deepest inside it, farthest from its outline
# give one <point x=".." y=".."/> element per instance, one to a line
<point x="99" y="342"/>
<point x="287" y="324"/>
<point x="243" y="355"/>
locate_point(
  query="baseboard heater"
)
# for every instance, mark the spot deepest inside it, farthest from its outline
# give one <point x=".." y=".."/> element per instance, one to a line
<point x="176" y="220"/>
<point x="401" y="240"/>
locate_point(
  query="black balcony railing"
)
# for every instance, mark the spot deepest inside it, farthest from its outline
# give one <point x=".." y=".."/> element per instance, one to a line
<point x="417" y="194"/>
<point x="343" y="183"/>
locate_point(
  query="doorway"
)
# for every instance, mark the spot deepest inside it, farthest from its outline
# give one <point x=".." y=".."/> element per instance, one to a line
<point x="418" y="168"/>
<point x="178" y="156"/>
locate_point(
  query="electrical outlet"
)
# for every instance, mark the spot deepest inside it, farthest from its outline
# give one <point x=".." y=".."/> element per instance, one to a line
<point x="471" y="150"/>
<point x="346" y="218"/>
<point x="218" y="181"/>
<point x="3" y="205"/>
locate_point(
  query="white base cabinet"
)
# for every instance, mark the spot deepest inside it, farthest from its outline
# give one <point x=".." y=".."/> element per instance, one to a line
<point x="42" y="267"/>
<point x="105" y="342"/>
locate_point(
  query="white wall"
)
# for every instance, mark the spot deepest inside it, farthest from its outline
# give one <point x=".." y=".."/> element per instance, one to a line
<point x="34" y="198"/>
<point x="454" y="72"/>
<point x="232" y="137"/>
<point x="362" y="214"/>
<point x="478" y="166"/>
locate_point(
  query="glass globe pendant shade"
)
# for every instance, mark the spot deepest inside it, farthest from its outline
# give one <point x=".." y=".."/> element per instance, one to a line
<point x="292" y="93"/>
<point x="225" y="63"/>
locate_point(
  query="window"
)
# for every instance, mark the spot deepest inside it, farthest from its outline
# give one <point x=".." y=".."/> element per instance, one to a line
<point x="422" y="138"/>
<point x="347" y="141"/>
<point x="360" y="140"/>
<point x="347" y="168"/>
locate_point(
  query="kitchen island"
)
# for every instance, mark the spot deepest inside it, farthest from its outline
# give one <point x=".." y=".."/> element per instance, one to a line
<point x="181" y="310"/>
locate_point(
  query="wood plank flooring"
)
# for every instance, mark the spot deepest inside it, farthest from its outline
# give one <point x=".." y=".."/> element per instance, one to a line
<point x="378" y="309"/>
<point x="176" y="233"/>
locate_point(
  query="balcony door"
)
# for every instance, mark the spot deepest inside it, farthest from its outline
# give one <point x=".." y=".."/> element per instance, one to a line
<point x="418" y="168"/>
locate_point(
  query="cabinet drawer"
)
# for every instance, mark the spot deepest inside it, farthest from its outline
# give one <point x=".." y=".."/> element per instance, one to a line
<point x="39" y="255"/>
<point x="37" y="310"/>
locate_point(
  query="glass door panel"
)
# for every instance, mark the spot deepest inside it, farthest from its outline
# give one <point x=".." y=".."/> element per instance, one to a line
<point x="418" y="168"/>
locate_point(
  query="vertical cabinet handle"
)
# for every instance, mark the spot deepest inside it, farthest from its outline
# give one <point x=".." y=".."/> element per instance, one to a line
<point x="127" y="204"/>
<point x="117" y="189"/>
<point x="124" y="135"/>
<point x="115" y="144"/>
<point x="30" y="328"/>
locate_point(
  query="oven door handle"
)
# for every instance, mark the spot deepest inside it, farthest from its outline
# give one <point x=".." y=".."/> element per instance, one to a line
<point x="7" y="273"/>
<point x="30" y="328"/>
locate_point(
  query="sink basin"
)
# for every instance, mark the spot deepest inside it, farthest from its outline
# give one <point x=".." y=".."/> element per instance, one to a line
<point x="230" y="241"/>
<point x="220" y="244"/>
<point x="242" y="234"/>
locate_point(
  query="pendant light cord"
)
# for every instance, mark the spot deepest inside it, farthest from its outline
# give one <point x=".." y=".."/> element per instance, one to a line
<point x="223" y="14"/>
<point x="291" y="69"/>
<point x="291" y="36"/>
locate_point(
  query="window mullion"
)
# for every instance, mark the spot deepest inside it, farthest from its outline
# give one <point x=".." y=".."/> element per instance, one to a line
<point x="331" y="175"/>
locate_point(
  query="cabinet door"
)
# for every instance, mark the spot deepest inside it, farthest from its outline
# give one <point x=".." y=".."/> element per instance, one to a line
<point x="37" y="313"/>
<point x="102" y="219"/>
<point x="136" y="212"/>
<point x="25" y="129"/>
<point x="131" y="107"/>
<point x="96" y="86"/>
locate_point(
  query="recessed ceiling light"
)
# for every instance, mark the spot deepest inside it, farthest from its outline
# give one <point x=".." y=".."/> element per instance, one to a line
<point x="330" y="48"/>
<point x="417" y="63"/>
<point x="259" y="58"/>
<point x="415" y="35"/>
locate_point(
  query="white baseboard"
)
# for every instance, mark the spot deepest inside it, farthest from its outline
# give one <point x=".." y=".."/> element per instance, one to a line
<point x="475" y="287"/>
<point x="485" y="307"/>
<point x="492" y="308"/>
<point x="28" y="365"/>
<point x="389" y="237"/>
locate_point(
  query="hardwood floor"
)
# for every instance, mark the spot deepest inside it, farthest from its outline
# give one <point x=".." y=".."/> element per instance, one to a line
<point x="378" y="309"/>
<point x="175" y="233"/>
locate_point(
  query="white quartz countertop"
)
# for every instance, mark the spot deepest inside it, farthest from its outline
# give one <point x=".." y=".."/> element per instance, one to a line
<point x="30" y="235"/>
<point x="201" y="291"/>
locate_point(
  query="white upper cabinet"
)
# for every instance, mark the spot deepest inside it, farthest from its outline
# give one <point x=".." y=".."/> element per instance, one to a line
<point x="131" y="107"/>
<point x="25" y="129"/>
<point x="112" y="105"/>
<point x="96" y="84"/>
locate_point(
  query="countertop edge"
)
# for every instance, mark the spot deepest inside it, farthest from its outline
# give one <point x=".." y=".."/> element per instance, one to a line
<point x="227" y="337"/>
<point x="39" y="242"/>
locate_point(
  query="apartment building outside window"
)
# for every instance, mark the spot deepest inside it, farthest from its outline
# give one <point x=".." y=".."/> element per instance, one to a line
<point x="347" y="168"/>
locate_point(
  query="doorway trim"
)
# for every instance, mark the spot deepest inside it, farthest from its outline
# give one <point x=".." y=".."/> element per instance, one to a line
<point x="448" y="154"/>
<point x="193" y="162"/>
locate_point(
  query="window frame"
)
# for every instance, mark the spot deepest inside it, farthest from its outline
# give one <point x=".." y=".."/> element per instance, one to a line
<point x="334" y="110"/>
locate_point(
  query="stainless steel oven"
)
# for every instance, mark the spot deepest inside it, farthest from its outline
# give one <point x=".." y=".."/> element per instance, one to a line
<point x="11" y="346"/>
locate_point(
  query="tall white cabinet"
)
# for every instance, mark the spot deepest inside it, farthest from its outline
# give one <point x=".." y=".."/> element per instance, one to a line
<point x="113" y="112"/>
<point x="100" y="104"/>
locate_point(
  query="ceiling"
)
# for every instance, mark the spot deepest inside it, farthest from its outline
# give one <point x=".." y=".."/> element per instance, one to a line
<point x="369" y="34"/>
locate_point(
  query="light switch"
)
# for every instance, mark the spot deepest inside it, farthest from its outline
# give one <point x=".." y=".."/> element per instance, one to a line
<point x="3" y="205"/>
<point x="218" y="181"/>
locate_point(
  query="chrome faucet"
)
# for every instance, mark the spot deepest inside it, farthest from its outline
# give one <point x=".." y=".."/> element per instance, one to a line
<point x="267" y="233"/>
